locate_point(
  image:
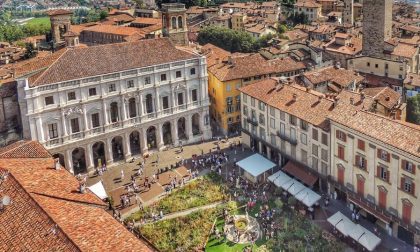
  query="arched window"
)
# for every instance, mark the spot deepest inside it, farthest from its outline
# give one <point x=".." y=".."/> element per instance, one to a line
<point x="173" y="22"/>
<point x="179" y="22"/>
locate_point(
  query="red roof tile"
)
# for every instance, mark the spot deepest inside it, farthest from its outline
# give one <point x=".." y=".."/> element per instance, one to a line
<point x="24" y="149"/>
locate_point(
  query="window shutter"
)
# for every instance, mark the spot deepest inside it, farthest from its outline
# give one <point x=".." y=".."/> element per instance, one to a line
<point x="378" y="171"/>
<point x="378" y="153"/>
<point x="413" y="168"/>
<point x="402" y="183"/>
<point x="344" y="137"/>
<point x="365" y="164"/>
<point x="403" y="164"/>
<point x="388" y="157"/>
<point x="387" y="176"/>
<point x="357" y="160"/>
<point x="337" y="134"/>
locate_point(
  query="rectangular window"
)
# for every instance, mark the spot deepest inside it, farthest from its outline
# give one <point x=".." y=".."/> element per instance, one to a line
<point x="130" y="84"/>
<point x="112" y="88"/>
<point x="272" y="111"/>
<point x="340" y="135"/>
<point x="92" y="91"/>
<point x="180" y="98"/>
<point x="272" y="123"/>
<point x="245" y="111"/>
<point x="325" y="139"/>
<point x="304" y="156"/>
<point x="293" y="151"/>
<point x="165" y="102"/>
<point x="261" y="106"/>
<point x="74" y="123"/>
<point x="407" y="185"/>
<point x="192" y="71"/>
<point x="49" y="100"/>
<point x="71" y="96"/>
<point x="282" y="129"/>
<point x="252" y="101"/>
<point x="245" y="98"/>
<point x="282" y="116"/>
<point x="293" y="120"/>
<point x="361" y="162"/>
<point x="361" y="144"/>
<point x="340" y="153"/>
<point x="293" y="134"/>
<point x="194" y="97"/>
<point x="303" y="125"/>
<point x="262" y="119"/>
<point x="163" y="77"/>
<point x="95" y="120"/>
<point x="178" y="74"/>
<point x="383" y="173"/>
<point x="273" y="139"/>
<point x="324" y="155"/>
<point x="227" y="87"/>
<point x="408" y="166"/>
<point x="384" y="155"/>
<point x="315" y="150"/>
<point x="303" y="138"/>
<point x="315" y="134"/>
<point x="315" y="163"/>
<point x="52" y="130"/>
<point x="147" y="80"/>
<point x="262" y="133"/>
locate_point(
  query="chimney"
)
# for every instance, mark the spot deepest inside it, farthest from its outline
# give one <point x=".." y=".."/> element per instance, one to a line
<point x="294" y="97"/>
<point x="362" y="96"/>
<point x="230" y="60"/>
<point x="387" y="98"/>
<point x="351" y="101"/>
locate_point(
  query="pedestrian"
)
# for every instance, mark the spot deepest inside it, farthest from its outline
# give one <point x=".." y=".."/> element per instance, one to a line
<point x="122" y="175"/>
<point x="357" y="217"/>
<point x="353" y="216"/>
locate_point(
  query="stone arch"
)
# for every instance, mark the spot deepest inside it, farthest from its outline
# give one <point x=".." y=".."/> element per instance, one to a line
<point x="78" y="158"/>
<point x="135" y="142"/>
<point x="132" y="107"/>
<point x="60" y="158"/>
<point x="166" y="133"/>
<point x="181" y="125"/>
<point x="117" y="148"/>
<point x="98" y="154"/>
<point x="113" y="108"/>
<point x="151" y="137"/>
<point x="180" y="23"/>
<point x="195" y="124"/>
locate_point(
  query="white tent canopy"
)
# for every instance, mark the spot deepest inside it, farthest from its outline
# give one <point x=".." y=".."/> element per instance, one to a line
<point x="341" y="223"/>
<point x="287" y="184"/>
<point x="279" y="178"/>
<point x="296" y="188"/>
<point x="366" y="238"/>
<point x="256" y="165"/>
<point x="99" y="190"/>
<point x="308" y="197"/>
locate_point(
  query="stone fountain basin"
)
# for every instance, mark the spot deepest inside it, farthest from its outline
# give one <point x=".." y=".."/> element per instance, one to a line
<point x="241" y="224"/>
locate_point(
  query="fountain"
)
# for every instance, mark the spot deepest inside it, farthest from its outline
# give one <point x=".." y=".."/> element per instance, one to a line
<point x="242" y="229"/>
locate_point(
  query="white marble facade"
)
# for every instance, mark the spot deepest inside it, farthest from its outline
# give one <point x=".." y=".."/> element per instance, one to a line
<point x="115" y="116"/>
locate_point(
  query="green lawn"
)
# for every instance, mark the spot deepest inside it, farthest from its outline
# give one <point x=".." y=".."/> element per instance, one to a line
<point x="200" y="192"/>
<point x="39" y="21"/>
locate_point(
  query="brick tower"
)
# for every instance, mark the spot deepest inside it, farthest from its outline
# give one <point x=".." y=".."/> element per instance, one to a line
<point x="348" y="13"/>
<point x="60" y="24"/>
<point x="174" y="23"/>
<point x="377" y="26"/>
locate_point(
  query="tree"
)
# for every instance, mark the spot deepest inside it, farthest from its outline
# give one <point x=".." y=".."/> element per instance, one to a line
<point x="413" y="109"/>
<point x="103" y="14"/>
<point x="30" y="51"/>
<point x="281" y="28"/>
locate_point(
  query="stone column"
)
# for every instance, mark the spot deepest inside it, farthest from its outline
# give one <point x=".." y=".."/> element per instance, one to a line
<point x="189" y="128"/>
<point x="127" y="149"/>
<point x="105" y="112"/>
<point x="159" y="136"/>
<point x="63" y="124"/>
<point x="40" y="130"/>
<point x="174" y="132"/>
<point x="143" y="140"/>
<point x="108" y="150"/>
<point x="85" y="118"/>
<point x="89" y="158"/>
<point x="173" y="99"/>
<point x="124" y="109"/>
<point x="68" y="161"/>
<point x="141" y="112"/>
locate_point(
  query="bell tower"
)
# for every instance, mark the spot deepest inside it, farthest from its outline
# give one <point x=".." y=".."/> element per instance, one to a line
<point x="174" y="23"/>
<point x="60" y="25"/>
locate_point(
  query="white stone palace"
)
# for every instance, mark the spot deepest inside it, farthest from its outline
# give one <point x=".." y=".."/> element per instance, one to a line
<point x="108" y="103"/>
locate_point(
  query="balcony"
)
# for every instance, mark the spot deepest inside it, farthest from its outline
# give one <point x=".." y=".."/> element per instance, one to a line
<point x="77" y="135"/>
<point x="97" y="130"/>
<point x="252" y="121"/>
<point x="286" y="138"/>
<point x="53" y="142"/>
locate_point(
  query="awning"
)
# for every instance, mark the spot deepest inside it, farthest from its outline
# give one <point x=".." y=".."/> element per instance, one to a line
<point x="99" y="190"/>
<point x="256" y="165"/>
<point x="279" y="178"/>
<point x="341" y="223"/>
<point x="296" y="188"/>
<point x="308" y="197"/>
<point x="299" y="172"/>
<point x="288" y="184"/>
<point x="366" y="238"/>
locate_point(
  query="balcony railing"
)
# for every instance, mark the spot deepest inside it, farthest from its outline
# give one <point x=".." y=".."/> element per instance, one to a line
<point x="252" y="121"/>
<point x="286" y="138"/>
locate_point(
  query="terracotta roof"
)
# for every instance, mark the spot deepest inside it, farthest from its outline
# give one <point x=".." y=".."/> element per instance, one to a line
<point x="296" y="34"/>
<point x="372" y="80"/>
<point x="24" y="149"/>
<point x="113" y="29"/>
<point x="96" y="60"/>
<point x="310" y="106"/>
<point x="341" y="76"/>
<point x="405" y="50"/>
<point x="401" y="135"/>
<point x="353" y="49"/>
<point x="308" y="4"/>
<point x="214" y="54"/>
<point x="80" y="217"/>
<point x="150" y="21"/>
<point x="384" y="95"/>
<point x="284" y="65"/>
<point x="359" y="101"/>
<point x="342" y="35"/>
<point x="412" y="79"/>
<point x="123" y="17"/>
<point x="59" y="12"/>
<point x="36" y="64"/>
<point x="410" y="28"/>
<point x="411" y="41"/>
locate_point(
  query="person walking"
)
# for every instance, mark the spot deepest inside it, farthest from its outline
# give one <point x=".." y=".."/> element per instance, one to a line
<point x="122" y="174"/>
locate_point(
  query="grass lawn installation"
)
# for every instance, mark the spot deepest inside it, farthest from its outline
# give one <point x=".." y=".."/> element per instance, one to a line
<point x="202" y="191"/>
<point x="39" y="21"/>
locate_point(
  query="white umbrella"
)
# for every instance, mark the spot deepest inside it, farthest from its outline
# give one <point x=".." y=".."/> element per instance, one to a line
<point x="341" y="223"/>
<point x="366" y="238"/>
